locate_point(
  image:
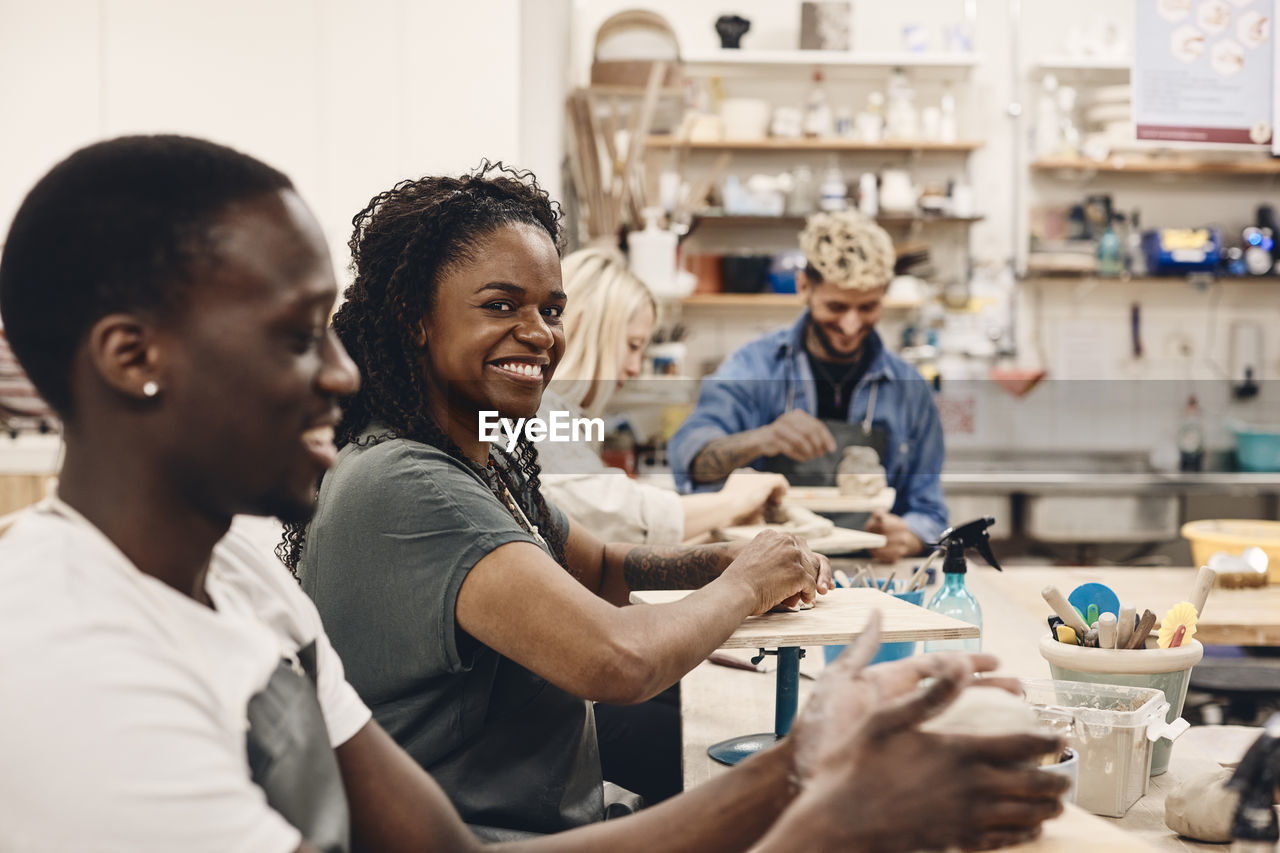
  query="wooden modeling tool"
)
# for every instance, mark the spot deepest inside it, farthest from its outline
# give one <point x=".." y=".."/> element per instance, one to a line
<point x="1107" y="631"/>
<point x="1138" y="640"/>
<point x="1065" y="611"/>
<point x="841" y="578"/>
<point x="1178" y="626"/>
<point x="1125" y="625"/>
<point x="1200" y="592"/>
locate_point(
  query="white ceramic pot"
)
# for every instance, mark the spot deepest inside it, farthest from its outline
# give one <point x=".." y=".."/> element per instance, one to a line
<point x="897" y="195"/>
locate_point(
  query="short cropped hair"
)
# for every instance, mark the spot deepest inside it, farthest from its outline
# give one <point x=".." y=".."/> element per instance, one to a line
<point x="847" y="249"/>
<point x="117" y="226"/>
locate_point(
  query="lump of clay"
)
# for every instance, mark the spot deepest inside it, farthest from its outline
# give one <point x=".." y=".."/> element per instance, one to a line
<point x="860" y="473"/>
<point x="985" y="711"/>
<point x="1201" y="807"/>
<point x="802" y="522"/>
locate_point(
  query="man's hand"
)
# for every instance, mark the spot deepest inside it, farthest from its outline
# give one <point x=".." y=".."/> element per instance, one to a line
<point x="902" y="542"/>
<point x="798" y="435"/>
<point x="781" y="570"/>
<point x="873" y="781"/>
<point x="752" y="493"/>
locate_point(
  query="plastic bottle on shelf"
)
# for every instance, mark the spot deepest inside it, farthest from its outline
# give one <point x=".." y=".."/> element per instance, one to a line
<point x="1048" y="132"/>
<point x="1110" y="255"/>
<point x="901" y="121"/>
<point x="833" y="192"/>
<point x="948" y="130"/>
<point x="818" y="120"/>
<point x="652" y="255"/>
<point x="868" y="195"/>
<point x="1068" y="132"/>
<point x="800" y="202"/>
<point x="869" y="123"/>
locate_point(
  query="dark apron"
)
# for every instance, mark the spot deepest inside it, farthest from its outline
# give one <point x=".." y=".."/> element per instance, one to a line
<point x="821" y="470"/>
<point x="290" y="757"/>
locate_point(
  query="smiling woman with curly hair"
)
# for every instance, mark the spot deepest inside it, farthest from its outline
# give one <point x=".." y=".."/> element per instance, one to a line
<point x="472" y="615"/>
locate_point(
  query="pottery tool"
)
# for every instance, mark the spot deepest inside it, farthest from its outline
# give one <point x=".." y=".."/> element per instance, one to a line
<point x="1125" y="624"/>
<point x="1091" y="639"/>
<point x="918" y="578"/>
<point x="842" y="580"/>
<point x="1091" y="615"/>
<point x="1067" y="635"/>
<point x="887" y="586"/>
<point x="1178" y="626"/>
<point x="1095" y="594"/>
<point x="1138" y="640"/>
<point x="1106" y="631"/>
<point x="1054" y="597"/>
<point x="1200" y="592"/>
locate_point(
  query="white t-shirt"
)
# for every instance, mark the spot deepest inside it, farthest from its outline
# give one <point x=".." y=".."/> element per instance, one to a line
<point x="123" y="703"/>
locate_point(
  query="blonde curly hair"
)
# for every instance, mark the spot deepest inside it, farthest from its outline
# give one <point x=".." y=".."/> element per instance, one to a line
<point x="848" y="249"/>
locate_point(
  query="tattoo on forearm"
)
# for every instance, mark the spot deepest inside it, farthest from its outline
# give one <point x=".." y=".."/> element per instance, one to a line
<point x="722" y="456"/>
<point x="648" y="567"/>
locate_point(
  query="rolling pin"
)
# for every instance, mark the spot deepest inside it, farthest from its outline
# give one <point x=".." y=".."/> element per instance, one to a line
<point x="1204" y="583"/>
<point x="1107" y="630"/>
<point x="1065" y="611"/>
<point x="1139" y="638"/>
<point x="1124" y="625"/>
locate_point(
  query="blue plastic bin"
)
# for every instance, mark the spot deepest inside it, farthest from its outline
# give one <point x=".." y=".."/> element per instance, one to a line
<point x="888" y="651"/>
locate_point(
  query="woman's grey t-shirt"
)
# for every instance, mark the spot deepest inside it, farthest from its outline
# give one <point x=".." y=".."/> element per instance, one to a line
<point x="397" y="527"/>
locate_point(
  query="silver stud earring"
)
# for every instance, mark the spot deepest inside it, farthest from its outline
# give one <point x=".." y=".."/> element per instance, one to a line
<point x="151" y="388"/>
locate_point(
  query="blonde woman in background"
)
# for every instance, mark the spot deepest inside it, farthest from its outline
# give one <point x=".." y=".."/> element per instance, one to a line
<point x="609" y="319"/>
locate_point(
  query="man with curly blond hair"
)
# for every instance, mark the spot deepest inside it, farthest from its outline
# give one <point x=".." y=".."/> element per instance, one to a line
<point x="794" y="399"/>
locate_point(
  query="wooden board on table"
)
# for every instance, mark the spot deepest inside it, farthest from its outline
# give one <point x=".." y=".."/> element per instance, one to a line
<point x="835" y="619"/>
<point x="841" y="540"/>
<point x="1076" y="830"/>
<point x="829" y="499"/>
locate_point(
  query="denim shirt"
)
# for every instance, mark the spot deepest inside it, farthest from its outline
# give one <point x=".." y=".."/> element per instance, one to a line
<point x="771" y="375"/>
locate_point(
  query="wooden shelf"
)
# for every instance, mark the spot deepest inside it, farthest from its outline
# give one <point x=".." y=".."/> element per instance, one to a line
<point x="1084" y="63"/>
<point x="1146" y="165"/>
<point x="792" y="145"/>
<point x="805" y="59"/>
<point x="798" y="221"/>
<point x="769" y="300"/>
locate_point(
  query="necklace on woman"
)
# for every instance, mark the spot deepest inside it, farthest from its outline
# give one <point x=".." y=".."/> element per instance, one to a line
<point x="504" y="494"/>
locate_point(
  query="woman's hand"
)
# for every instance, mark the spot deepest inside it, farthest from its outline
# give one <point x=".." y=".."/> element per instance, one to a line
<point x="781" y="570"/>
<point x="752" y="493"/>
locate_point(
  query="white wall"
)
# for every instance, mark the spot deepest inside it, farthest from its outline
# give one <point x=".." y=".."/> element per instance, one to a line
<point x="346" y="98"/>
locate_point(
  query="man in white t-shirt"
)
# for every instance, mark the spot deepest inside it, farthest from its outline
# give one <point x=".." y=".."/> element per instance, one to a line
<point x="165" y="685"/>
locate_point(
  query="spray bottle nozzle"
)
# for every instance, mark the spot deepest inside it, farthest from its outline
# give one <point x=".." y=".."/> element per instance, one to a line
<point x="954" y="541"/>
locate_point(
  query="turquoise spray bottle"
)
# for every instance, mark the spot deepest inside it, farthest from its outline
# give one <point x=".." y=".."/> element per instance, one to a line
<point x="954" y="598"/>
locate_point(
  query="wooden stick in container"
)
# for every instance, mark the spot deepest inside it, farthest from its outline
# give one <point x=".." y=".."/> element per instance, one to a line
<point x="1124" y="625"/>
<point x="1204" y="583"/>
<point x="1107" y="630"/>
<point x="1139" y="638"/>
<point x="1065" y="611"/>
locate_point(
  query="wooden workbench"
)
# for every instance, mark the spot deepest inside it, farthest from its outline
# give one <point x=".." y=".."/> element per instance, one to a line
<point x="718" y="702"/>
<point x="1232" y="617"/>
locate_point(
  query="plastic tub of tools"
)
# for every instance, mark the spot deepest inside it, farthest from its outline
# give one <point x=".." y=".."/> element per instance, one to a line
<point x="1113" y="730"/>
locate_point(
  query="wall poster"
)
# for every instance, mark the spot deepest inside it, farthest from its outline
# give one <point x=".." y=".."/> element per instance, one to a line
<point x="1204" y="71"/>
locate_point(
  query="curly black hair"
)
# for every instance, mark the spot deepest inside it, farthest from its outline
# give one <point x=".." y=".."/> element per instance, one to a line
<point x="404" y="239"/>
<point x="117" y="226"/>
